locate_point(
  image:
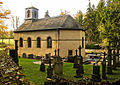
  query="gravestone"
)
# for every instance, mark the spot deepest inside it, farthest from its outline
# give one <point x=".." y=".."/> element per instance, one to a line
<point x="75" y="65"/>
<point x="30" y="56"/>
<point x="104" y="67"/>
<point x="14" y="53"/>
<point x="49" y="69"/>
<point x="24" y="55"/>
<point x="81" y="60"/>
<point x="42" y="67"/>
<point x="58" y="65"/>
<point x="109" y="66"/>
<point x="96" y="73"/>
<point x="80" y="69"/>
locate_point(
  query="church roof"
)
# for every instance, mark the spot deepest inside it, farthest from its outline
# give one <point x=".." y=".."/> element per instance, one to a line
<point x="50" y="23"/>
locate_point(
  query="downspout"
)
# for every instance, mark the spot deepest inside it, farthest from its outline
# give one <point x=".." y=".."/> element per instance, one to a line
<point x="58" y="36"/>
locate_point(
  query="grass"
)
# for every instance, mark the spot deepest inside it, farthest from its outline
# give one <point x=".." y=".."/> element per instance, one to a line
<point x="33" y="73"/>
<point x="7" y="41"/>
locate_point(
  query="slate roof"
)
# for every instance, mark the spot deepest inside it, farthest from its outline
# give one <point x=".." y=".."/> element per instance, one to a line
<point x="50" y="23"/>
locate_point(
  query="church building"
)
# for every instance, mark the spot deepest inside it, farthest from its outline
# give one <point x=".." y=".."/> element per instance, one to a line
<point x="45" y="35"/>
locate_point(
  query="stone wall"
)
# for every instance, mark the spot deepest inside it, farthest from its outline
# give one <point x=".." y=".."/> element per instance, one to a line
<point x="10" y="73"/>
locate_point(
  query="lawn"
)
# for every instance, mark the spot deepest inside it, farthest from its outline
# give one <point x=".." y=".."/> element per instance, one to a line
<point x="33" y="73"/>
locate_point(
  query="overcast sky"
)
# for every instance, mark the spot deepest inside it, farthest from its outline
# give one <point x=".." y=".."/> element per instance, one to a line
<point x="54" y="7"/>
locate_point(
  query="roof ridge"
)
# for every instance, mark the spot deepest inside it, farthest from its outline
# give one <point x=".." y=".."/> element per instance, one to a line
<point x="64" y="20"/>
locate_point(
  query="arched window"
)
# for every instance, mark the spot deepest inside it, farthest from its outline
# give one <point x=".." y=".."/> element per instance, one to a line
<point x="28" y="13"/>
<point x="82" y="42"/>
<point x="21" y="42"/>
<point x="38" y="42"/>
<point x="49" y="42"/>
<point x="29" y="42"/>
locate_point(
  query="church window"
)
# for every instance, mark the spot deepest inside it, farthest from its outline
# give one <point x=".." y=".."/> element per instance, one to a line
<point x="35" y="14"/>
<point x="38" y="42"/>
<point x="29" y="42"/>
<point x="28" y="13"/>
<point x="21" y="42"/>
<point x="49" y="42"/>
<point x="69" y="52"/>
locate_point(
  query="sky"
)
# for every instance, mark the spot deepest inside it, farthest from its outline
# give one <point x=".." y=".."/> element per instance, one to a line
<point x="54" y="7"/>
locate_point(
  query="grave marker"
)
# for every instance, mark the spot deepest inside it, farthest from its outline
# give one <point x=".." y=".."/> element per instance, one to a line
<point x="104" y="67"/>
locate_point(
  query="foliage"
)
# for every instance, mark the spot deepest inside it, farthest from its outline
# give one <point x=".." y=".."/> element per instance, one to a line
<point x="3" y="15"/>
<point x="90" y="24"/>
<point x="109" y="25"/>
<point x="79" y="17"/>
<point x="103" y="23"/>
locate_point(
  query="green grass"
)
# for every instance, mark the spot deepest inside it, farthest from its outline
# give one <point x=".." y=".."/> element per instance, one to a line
<point x="33" y="73"/>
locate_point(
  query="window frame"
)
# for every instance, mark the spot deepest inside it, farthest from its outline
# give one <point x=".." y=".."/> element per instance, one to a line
<point x="21" y="42"/>
<point x="29" y="42"/>
<point x="28" y="13"/>
<point x="70" y="52"/>
<point x="49" y="42"/>
<point x="38" y="42"/>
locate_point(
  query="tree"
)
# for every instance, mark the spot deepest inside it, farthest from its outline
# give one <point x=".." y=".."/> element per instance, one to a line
<point x="3" y="15"/>
<point x="109" y="25"/>
<point x="79" y="17"/>
<point x="92" y="33"/>
<point x="15" y="21"/>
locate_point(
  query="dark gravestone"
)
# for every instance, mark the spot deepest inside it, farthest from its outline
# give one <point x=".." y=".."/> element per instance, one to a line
<point x="14" y="56"/>
<point x="109" y="66"/>
<point x="104" y="67"/>
<point x="42" y="67"/>
<point x="24" y="55"/>
<point x="96" y="73"/>
<point x="30" y="56"/>
<point x="81" y="60"/>
<point x="14" y="53"/>
<point x="75" y="65"/>
<point x="80" y="69"/>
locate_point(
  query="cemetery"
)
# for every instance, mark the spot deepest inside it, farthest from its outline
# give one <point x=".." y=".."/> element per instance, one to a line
<point x="57" y="72"/>
<point x="67" y="49"/>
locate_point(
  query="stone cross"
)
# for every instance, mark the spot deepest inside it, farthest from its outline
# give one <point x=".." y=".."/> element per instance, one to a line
<point x="75" y="65"/>
<point x="49" y="69"/>
<point x="58" y="52"/>
<point x="79" y="50"/>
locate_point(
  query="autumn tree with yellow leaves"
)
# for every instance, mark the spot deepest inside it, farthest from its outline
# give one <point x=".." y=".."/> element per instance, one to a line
<point x="3" y="15"/>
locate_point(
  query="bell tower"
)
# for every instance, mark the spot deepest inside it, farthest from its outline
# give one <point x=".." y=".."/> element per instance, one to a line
<point x="31" y="13"/>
